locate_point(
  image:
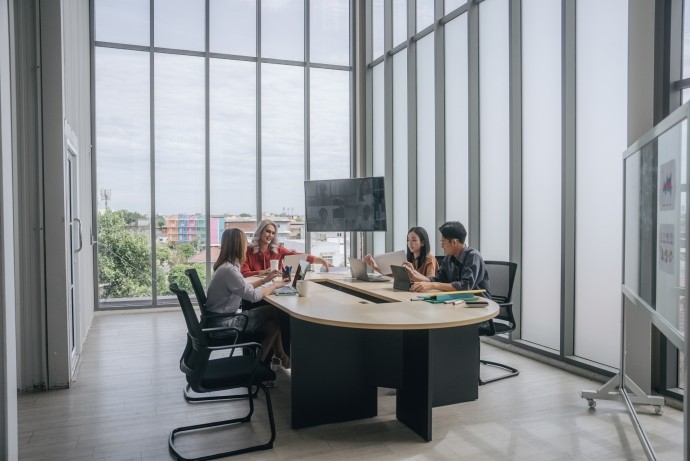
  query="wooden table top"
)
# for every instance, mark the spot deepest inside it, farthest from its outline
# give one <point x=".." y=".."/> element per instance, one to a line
<point x="328" y="306"/>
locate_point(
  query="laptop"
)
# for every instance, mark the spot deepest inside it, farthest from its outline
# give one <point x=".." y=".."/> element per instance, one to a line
<point x="293" y="260"/>
<point x="386" y="260"/>
<point x="359" y="272"/>
<point x="401" y="278"/>
<point x="288" y="290"/>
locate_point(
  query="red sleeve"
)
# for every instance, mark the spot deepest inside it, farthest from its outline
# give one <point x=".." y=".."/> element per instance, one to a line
<point x="284" y="251"/>
<point x="248" y="268"/>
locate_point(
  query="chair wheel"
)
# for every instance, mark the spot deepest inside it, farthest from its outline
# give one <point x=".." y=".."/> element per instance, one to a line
<point x="592" y="403"/>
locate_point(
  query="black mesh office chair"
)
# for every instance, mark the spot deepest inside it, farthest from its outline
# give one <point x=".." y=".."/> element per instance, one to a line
<point x="240" y="321"/>
<point x="218" y="337"/>
<point x="205" y="374"/>
<point x="501" y="278"/>
<point x="439" y="259"/>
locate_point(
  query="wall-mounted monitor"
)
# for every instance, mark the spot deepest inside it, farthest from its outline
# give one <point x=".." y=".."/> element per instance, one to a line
<point x="340" y="205"/>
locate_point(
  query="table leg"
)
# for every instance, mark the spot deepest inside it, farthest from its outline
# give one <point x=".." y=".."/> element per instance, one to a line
<point x="413" y="399"/>
<point x="330" y="382"/>
<point x="440" y="367"/>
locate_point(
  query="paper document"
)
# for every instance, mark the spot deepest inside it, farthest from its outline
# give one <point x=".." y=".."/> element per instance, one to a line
<point x="336" y="270"/>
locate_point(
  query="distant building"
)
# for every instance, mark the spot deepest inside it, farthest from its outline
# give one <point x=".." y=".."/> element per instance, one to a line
<point x="141" y="226"/>
<point x="246" y="224"/>
<point x="185" y="228"/>
<point x="216" y="228"/>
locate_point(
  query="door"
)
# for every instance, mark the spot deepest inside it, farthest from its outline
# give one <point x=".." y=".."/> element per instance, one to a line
<point x="75" y="246"/>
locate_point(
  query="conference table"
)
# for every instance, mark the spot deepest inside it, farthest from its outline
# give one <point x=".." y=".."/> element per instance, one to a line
<point x="349" y="337"/>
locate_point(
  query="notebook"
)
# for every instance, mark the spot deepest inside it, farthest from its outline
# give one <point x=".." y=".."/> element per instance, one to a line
<point x="386" y="260"/>
<point x="401" y="278"/>
<point x="359" y="272"/>
<point x="288" y="290"/>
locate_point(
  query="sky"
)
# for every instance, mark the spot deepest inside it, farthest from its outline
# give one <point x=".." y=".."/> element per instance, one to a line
<point x="123" y="110"/>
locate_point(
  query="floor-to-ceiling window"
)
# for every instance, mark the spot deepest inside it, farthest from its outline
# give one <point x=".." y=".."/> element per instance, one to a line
<point x="413" y="95"/>
<point x="541" y="170"/>
<point x="210" y="114"/>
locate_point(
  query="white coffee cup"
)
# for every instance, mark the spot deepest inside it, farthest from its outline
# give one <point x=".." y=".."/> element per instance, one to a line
<point x="302" y="288"/>
<point x="274" y="264"/>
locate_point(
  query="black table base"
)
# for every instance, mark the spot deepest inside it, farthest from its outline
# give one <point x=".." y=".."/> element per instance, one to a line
<point x="336" y="372"/>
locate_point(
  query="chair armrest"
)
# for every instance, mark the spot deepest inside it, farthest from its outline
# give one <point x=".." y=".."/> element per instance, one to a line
<point x="206" y="317"/>
<point x="215" y="315"/>
<point x="234" y="336"/>
<point x="506" y="310"/>
<point x="217" y="329"/>
<point x="254" y="347"/>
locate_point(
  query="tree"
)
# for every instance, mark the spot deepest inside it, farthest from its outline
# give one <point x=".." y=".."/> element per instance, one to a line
<point x="131" y="217"/>
<point x="185" y="251"/>
<point x="124" y="258"/>
<point x="178" y="276"/>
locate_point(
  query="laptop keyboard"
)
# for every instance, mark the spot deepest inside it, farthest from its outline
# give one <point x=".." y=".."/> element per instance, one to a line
<point x="286" y="290"/>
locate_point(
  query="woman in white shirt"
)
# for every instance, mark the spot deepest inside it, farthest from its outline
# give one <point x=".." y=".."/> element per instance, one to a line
<point x="228" y="288"/>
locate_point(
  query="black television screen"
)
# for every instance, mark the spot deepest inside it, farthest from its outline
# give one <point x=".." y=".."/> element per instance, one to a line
<point x="357" y="204"/>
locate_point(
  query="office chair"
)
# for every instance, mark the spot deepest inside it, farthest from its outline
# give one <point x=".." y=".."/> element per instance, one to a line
<point x="219" y="337"/>
<point x="205" y="374"/>
<point x="241" y="319"/>
<point x="501" y="278"/>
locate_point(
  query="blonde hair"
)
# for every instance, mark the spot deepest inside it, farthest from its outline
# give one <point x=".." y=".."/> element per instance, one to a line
<point x="257" y="236"/>
<point x="233" y="248"/>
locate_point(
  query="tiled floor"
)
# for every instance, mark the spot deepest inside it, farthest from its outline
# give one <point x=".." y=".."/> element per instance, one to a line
<point x="128" y="396"/>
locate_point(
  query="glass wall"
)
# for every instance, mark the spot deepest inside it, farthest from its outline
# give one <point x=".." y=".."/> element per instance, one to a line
<point x="400" y="160"/>
<point x="541" y="171"/>
<point x="197" y="131"/>
<point x="494" y="134"/>
<point x="504" y="87"/>
<point x="426" y="143"/>
<point x="379" y="148"/>
<point x="601" y="90"/>
<point x="124" y="141"/>
<point x="457" y="120"/>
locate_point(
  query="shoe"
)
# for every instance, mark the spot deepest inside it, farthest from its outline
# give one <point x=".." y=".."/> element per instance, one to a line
<point x="283" y="361"/>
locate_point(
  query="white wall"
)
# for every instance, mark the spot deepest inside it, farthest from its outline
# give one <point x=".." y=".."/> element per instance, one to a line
<point x="77" y="62"/>
<point x="65" y="89"/>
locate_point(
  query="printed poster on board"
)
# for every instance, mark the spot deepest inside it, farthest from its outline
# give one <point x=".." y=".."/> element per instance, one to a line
<point x="667" y="185"/>
<point x="666" y="246"/>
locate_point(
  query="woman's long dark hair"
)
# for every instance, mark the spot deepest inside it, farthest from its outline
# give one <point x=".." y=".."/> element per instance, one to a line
<point x="424" y="238"/>
<point x="233" y="248"/>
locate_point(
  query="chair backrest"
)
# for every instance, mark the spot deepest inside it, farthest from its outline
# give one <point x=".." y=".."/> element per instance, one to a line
<point x="501" y="279"/>
<point x="198" y="289"/>
<point x="195" y="355"/>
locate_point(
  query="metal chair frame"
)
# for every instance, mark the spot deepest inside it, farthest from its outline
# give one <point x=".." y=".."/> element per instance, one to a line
<point x="507" y="319"/>
<point x="195" y="363"/>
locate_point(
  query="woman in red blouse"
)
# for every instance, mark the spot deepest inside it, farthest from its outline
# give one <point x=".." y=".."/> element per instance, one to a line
<point x="264" y="247"/>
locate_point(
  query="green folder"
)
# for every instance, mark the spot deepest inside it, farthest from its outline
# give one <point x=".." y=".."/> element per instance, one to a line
<point x="439" y="299"/>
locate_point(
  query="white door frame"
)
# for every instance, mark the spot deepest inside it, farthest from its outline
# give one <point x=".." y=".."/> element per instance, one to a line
<point x="75" y="245"/>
